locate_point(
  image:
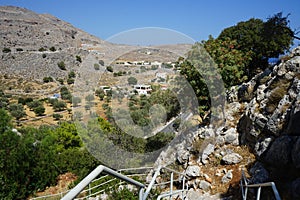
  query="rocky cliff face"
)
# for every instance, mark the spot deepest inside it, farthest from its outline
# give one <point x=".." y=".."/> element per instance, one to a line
<point x="270" y="124"/>
<point x="263" y="115"/>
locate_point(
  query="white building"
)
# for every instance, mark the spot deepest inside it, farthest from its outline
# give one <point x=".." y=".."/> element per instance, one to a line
<point x="143" y="89"/>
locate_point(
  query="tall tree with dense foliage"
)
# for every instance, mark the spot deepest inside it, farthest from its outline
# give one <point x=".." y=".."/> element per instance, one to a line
<point x="262" y="39"/>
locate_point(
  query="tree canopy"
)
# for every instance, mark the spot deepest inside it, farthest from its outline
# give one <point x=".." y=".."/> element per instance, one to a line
<point x="261" y="39"/>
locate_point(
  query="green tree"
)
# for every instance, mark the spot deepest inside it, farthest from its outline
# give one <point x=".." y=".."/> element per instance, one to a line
<point x="34" y="104"/>
<point x="47" y="79"/>
<point x="17" y="111"/>
<point x="100" y="93"/>
<point x="40" y="110"/>
<point x="262" y="39"/>
<point x="132" y="80"/>
<point x="57" y="116"/>
<point x="231" y="61"/>
<point x="76" y="101"/>
<point x="59" y="106"/>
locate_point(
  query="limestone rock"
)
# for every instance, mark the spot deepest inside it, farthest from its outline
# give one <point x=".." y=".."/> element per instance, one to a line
<point x="227" y="177"/>
<point x="295" y="189"/>
<point x="232" y="158"/>
<point x="204" y="185"/>
<point x="206" y="152"/>
<point x="296" y="153"/>
<point x="193" y="171"/>
<point x="258" y="173"/>
<point x="279" y="153"/>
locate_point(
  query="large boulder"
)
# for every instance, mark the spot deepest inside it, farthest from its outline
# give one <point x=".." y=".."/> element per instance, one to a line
<point x="296" y="153"/>
<point x="279" y="154"/>
<point x="232" y="158"/>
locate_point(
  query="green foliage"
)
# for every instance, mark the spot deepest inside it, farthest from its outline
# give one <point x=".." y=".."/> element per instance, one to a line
<point x="70" y="81"/>
<point x="44" y="55"/>
<point x="57" y="116"/>
<point x="52" y="49"/>
<point x="59" y="106"/>
<point x="19" y="49"/>
<point x="232" y="63"/>
<point x="100" y="93"/>
<point x="78" y="58"/>
<point x="40" y="110"/>
<point x="42" y="49"/>
<point x="101" y="62"/>
<point x="47" y="79"/>
<point x="61" y="65"/>
<point x="65" y="94"/>
<point x="32" y="162"/>
<point x="110" y="69"/>
<point x="61" y="81"/>
<point x="34" y="104"/>
<point x="123" y="194"/>
<point x="17" y="111"/>
<point x="132" y="80"/>
<point x="261" y="39"/>
<point x="96" y="66"/>
<point x="76" y="101"/>
<point x="6" y="50"/>
<point x="72" y="74"/>
<point x="158" y="141"/>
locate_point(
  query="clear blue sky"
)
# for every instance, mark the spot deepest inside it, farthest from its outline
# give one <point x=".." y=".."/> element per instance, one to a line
<point x="195" y="18"/>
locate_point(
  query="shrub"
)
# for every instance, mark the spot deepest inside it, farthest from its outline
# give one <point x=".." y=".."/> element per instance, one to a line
<point x="47" y="79"/>
<point x="61" y="81"/>
<point x="19" y="49"/>
<point x="101" y="62"/>
<point x="44" y="55"/>
<point x="42" y="49"/>
<point x="78" y="58"/>
<point x="109" y="68"/>
<point x="40" y="110"/>
<point x="61" y="65"/>
<point x="6" y="50"/>
<point x="52" y="49"/>
<point x="57" y="116"/>
<point x="96" y="66"/>
<point x="70" y="81"/>
<point x="132" y="80"/>
<point x="72" y="74"/>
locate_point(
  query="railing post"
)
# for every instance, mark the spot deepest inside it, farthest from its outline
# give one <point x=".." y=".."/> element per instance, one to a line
<point x="171" y="185"/>
<point x="145" y="195"/>
<point x="258" y="193"/>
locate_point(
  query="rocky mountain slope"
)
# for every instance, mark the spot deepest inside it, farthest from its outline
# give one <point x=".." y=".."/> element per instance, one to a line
<point x="33" y="44"/>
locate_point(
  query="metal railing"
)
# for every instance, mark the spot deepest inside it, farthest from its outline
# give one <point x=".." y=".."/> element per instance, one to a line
<point x="96" y="172"/>
<point x="244" y="187"/>
<point x="92" y="186"/>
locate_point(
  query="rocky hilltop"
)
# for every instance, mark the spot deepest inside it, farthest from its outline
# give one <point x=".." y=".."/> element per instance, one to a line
<point x="22" y="28"/>
<point x="33" y="44"/>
